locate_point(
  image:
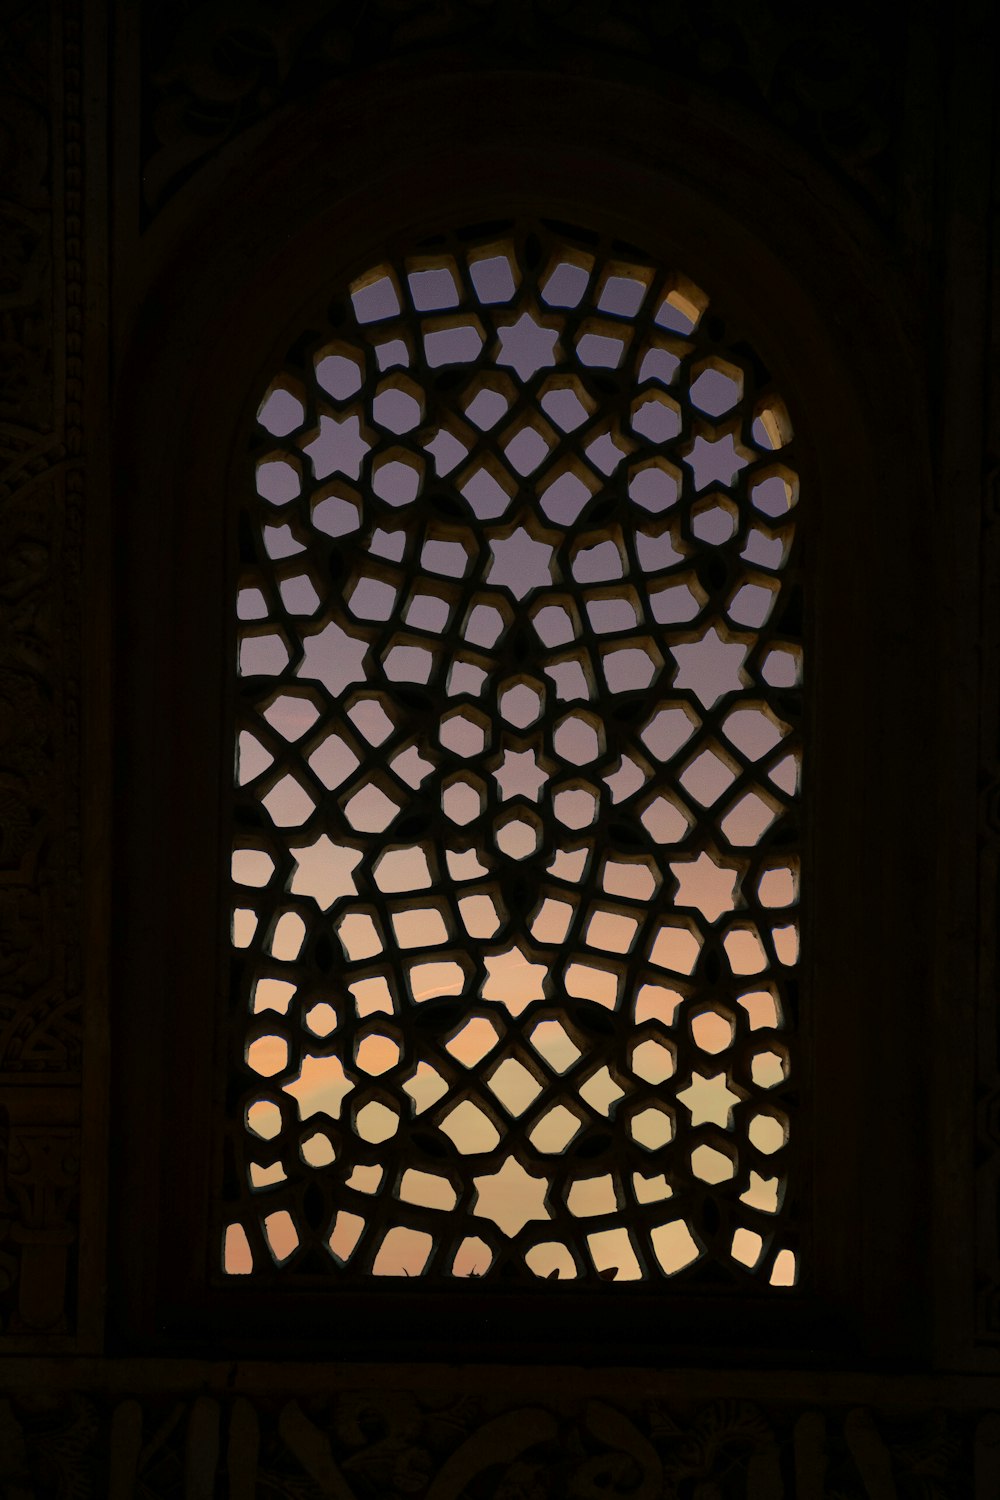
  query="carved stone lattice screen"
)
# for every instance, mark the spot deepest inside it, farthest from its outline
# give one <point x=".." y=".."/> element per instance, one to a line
<point x="515" y="877"/>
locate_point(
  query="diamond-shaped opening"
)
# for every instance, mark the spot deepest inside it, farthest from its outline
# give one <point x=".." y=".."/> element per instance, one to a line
<point x="288" y="803"/>
<point x="376" y="1053"/>
<point x="521" y="703"/>
<point x="614" y="613"/>
<point x="707" y="776"/>
<point x="375" y="295"/>
<point x="767" y="1133"/>
<point x="427" y="611"/>
<point x="601" y="344"/>
<point x="554" y="1044"/>
<point x="655" y="1002"/>
<point x="429" y="981"/>
<point x="488" y="488"/>
<point x="453" y="341"/>
<point x="754" y="730"/>
<point x="636" y="879"/>
<point x="488" y="399"/>
<point x="279" y="479"/>
<point x="764" y="550"/>
<point x="495" y="273"/>
<point x="394" y="352"/>
<point x="288" y="937"/>
<point x="578" y="738"/>
<point x="281" y="411"/>
<point x="272" y="994"/>
<point x="401" y="870"/>
<point x="629" y="669"/>
<point x="590" y="1196"/>
<point x="425" y="1087"/>
<point x="551" y="1261"/>
<point x="528" y="446"/>
<point x="433" y="285"/>
<point x="403" y="1252"/>
<point x="243" y="927"/>
<point x="566" y="402"/>
<point x="746" y="823"/>
<point x="566" y="278"/>
<point x="747" y="1248"/>
<point x="555" y="1130"/>
<point x="427" y="1190"/>
<point x="251" y="605"/>
<point x="668" y="730"/>
<point x="365" y="1179"/>
<point x="398" y="405"/>
<point x="421" y="927"/>
<point x="656" y="417"/>
<point x="614" y="1255"/>
<point x="675" y="948"/>
<point x="473" y="1258"/>
<point x="678" y="603"/>
<point x="375" y="1122"/>
<point x="682" y="307"/>
<point x="371" y="598"/>
<point x="623" y="289"/>
<point x="658" y="361"/>
<point x="601" y="1091"/>
<point x="370" y="809"/>
<point x="251" y="758"/>
<point x="577" y="806"/>
<point x="551" y="922"/>
<point x="598" y="562"/>
<point x="664" y="821"/>
<point x="479" y="915"/>
<point x="762" y="1009"/>
<point x="779" y="886"/>
<point x="674" y="1246"/>
<point x="449" y="558"/>
<point x="283" y="541"/>
<point x="565" y="493"/>
<point x="716" y="387"/>
<point x="556" y="623"/>
<point x="785" y="774"/>
<point x="409" y="664"/>
<point x="514" y="1086"/>
<point x="592" y="981"/>
<point x="470" y="1129"/>
<point x="611" y="931"/>
<point x="751" y="604"/>
<point x="652" y="1061"/>
<point x="281" y="1234"/>
<point x="518" y="838"/>
<point x="474" y="1040"/>
<point x="745" y="951"/>
<point x="359" y="936"/>
<point x="711" y="1165"/>
<point x="484" y="624"/>
<point x="607" y="449"/>
<point x="263" y="655"/>
<point x="347" y="1231"/>
<point x="652" y="1127"/>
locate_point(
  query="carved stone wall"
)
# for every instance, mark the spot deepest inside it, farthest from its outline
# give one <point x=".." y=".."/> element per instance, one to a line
<point x="42" y="484"/>
<point x="473" y="1437"/>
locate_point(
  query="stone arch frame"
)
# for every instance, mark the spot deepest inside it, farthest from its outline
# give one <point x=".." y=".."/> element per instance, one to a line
<point x="799" y="283"/>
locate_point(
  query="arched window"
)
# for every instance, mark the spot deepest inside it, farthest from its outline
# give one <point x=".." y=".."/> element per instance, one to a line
<point x="516" y="854"/>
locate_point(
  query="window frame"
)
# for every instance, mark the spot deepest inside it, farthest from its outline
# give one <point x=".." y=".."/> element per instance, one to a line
<point x="786" y="278"/>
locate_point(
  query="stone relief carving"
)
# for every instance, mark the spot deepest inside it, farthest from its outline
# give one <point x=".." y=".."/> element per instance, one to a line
<point x="215" y="67"/>
<point x="439" y="1446"/>
<point x="41" y="484"/>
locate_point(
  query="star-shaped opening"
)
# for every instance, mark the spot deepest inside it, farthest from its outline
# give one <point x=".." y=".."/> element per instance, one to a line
<point x="511" y="1197"/>
<point x="520" y="563"/>
<point x="710" y="668"/>
<point x="513" y="981"/>
<point x="527" y="346"/>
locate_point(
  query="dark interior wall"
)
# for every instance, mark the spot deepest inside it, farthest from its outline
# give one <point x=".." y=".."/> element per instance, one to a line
<point x="148" y="151"/>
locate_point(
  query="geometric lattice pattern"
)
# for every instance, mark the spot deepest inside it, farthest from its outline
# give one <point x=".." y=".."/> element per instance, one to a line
<point x="515" y="869"/>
